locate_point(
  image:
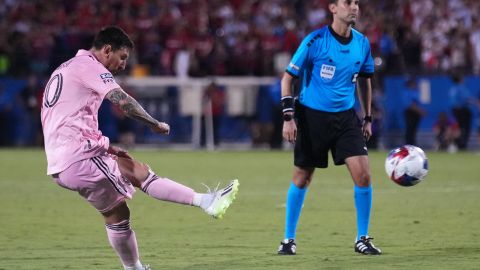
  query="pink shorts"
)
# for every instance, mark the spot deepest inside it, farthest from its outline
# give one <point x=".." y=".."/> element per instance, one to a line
<point x="98" y="180"/>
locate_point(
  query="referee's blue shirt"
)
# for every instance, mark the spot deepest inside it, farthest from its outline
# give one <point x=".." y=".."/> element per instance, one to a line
<point x="329" y="65"/>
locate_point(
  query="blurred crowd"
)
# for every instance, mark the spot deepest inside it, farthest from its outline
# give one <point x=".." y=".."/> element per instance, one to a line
<point x="235" y="37"/>
<point x="201" y="38"/>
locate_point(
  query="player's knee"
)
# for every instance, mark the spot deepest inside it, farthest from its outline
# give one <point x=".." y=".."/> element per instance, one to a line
<point x="143" y="174"/>
<point x="302" y="177"/>
<point x="140" y="174"/>
<point x="136" y="172"/>
<point x="117" y="214"/>
<point x="301" y="182"/>
<point x="363" y="179"/>
<point x="366" y="176"/>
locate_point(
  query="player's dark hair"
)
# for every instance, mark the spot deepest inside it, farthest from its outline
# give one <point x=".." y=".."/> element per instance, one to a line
<point x="113" y="36"/>
<point x="329" y="14"/>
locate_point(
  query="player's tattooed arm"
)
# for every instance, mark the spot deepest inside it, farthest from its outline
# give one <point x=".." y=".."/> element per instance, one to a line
<point x="134" y="110"/>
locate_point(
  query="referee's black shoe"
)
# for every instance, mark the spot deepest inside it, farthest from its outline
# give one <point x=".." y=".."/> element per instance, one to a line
<point x="365" y="246"/>
<point x="287" y="248"/>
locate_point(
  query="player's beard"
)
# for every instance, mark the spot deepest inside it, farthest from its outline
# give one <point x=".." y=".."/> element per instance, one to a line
<point x="114" y="71"/>
<point x="353" y="21"/>
<point x="349" y="21"/>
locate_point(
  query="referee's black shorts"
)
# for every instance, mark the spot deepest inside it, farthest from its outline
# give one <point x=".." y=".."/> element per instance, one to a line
<point x="319" y="131"/>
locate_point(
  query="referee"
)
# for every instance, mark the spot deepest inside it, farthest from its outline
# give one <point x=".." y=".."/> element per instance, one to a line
<point x="328" y="63"/>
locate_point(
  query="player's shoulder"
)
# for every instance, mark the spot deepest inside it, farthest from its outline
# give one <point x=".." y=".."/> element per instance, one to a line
<point x="315" y="35"/>
<point x="86" y="60"/>
<point x="359" y="35"/>
<point x="87" y="64"/>
<point x="84" y="67"/>
<point x="319" y="32"/>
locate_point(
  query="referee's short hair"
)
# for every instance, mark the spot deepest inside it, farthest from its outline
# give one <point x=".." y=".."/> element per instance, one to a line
<point x="113" y="36"/>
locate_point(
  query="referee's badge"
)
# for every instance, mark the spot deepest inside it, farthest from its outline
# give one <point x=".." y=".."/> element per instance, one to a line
<point x="327" y="72"/>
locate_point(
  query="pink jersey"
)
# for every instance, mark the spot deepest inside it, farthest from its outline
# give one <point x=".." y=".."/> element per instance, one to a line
<point x="70" y="106"/>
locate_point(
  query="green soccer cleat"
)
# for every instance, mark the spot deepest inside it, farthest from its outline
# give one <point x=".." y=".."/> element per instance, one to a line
<point x="222" y="199"/>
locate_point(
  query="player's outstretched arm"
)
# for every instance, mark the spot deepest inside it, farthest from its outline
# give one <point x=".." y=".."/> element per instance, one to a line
<point x="134" y="110"/>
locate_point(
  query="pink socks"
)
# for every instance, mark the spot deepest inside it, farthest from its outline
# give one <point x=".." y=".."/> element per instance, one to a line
<point x="122" y="239"/>
<point x="167" y="190"/>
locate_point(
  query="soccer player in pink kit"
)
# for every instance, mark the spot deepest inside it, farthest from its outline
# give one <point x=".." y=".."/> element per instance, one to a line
<point x="81" y="159"/>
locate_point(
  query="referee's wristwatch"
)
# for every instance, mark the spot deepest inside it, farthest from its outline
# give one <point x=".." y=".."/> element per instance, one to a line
<point x="287" y="117"/>
<point x="367" y="119"/>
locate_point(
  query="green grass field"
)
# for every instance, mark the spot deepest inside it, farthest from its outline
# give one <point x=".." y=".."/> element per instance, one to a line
<point x="434" y="225"/>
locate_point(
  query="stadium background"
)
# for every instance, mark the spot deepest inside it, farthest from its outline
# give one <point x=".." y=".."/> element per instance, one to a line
<point x="212" y="41"/>
<point x="433" y="225"/>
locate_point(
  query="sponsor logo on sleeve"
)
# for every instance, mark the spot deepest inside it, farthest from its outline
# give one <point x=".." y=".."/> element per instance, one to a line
<point x="107" y="78"/>
<point x="354" y="77"/>
<point x="327" y="71"/>
<point x="292" y="65"/>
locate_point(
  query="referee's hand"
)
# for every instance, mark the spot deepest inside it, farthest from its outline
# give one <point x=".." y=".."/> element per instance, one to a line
<point x="290" y="131"/>
<point x="367" y="130"/>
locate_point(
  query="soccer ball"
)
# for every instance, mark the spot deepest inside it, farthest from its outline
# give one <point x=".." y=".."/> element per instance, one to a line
<point x="407" y="165"/>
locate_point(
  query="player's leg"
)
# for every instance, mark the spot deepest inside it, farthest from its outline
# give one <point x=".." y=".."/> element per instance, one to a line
<point x="311" y="151"/>
<point x="122" y="237"/>
<point x="215" y="203"/>
<point x="358" y="167"/>
<point x="99" y="181"/>
<point x="302" y="176"/>
<point x="360" y="172"/>
<point x="350" y="149"/>
<point x="412" y="119"/>
<point x="295" y="198"/>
